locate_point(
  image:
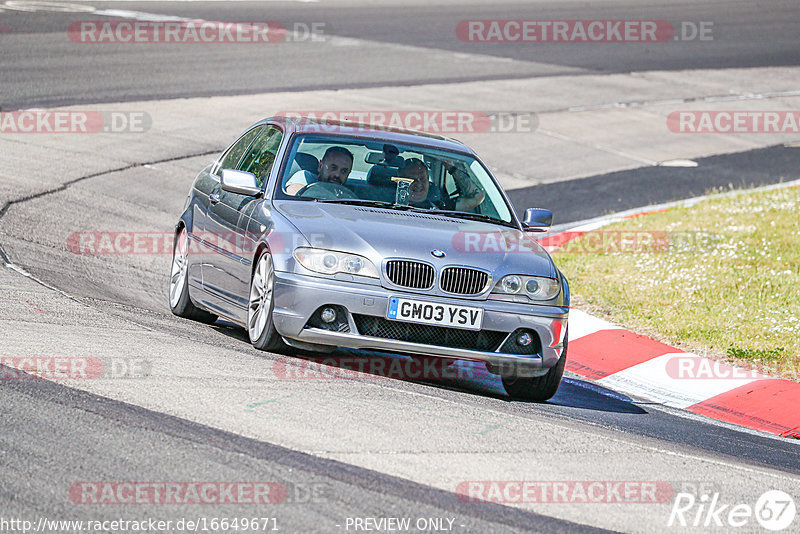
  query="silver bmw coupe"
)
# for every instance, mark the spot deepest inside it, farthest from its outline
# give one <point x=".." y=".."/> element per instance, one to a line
<point x="314" y="235"/>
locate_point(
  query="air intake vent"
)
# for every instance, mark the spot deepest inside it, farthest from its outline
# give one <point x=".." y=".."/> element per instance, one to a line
<point x="463" y="281"/>
<point x="410" y="274"/>
<point x="442" y="336"/>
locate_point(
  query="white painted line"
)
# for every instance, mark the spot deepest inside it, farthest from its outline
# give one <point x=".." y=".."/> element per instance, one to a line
<point x="219" y="1"/>
<point x="679" y="380"/>
<point x="142" y="15"/>
<point x="673" y="101"/>
<point x="677" y="163"/>
<point x="60" y="7"/>
<point x="155" y="17"/>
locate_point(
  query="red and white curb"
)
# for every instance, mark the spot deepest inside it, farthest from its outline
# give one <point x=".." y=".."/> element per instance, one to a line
<point x="638" y="365"/>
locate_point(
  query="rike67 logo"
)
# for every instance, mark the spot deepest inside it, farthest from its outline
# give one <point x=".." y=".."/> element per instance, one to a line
<point x="774" y="510"/>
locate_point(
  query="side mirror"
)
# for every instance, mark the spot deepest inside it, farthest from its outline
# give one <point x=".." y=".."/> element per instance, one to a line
<point x="537" y="220"/>
<point x="241" y="182"/>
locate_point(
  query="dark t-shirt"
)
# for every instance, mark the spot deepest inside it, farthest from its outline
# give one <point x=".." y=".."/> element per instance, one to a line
<point x="436" y="201"/>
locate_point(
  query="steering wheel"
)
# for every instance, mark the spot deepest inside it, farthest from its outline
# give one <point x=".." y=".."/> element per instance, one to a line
<point x="326" y="190"/>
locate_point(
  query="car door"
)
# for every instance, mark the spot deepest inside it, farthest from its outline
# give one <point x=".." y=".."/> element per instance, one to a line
<point x="227" y="277"/>
<point x="198" y="203"/>
<point x="207" y="244"/>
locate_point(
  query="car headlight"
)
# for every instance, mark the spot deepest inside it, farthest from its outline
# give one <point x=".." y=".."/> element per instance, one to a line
<point x="533" y="287"/>
<point x="332" y="262"/>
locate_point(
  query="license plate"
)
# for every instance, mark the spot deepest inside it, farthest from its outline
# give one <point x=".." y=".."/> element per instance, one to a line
<point x="417" y="311"/>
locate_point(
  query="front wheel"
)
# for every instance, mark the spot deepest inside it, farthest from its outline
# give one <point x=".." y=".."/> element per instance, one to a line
<point x="539" y="388"/>
<point x="179" y="301"/>
<point x="260" y="328"/>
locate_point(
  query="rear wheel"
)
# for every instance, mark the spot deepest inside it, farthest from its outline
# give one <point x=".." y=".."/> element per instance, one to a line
<point x="179" y="301"/>
<point x="260" y="328"/>
<point x="539" y="388"/>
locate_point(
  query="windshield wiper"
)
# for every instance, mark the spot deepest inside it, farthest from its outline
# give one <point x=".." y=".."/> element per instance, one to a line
<point x="466" y="215"/>
<point x="403" y="207"/>
<point x="361" y="202"/>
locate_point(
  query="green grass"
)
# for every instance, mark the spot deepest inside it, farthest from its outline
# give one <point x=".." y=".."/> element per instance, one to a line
<point x="720" y="278"/>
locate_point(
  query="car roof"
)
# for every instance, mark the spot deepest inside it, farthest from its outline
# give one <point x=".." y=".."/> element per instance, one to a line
<point x="370" y="131"/>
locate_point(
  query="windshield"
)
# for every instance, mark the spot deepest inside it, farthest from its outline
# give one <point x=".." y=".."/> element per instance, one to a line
<point x="354" y="170"/>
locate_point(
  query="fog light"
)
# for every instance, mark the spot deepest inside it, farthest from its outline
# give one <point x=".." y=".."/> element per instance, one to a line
<point x="524" y="339"/>
<point x="328" y="315"/>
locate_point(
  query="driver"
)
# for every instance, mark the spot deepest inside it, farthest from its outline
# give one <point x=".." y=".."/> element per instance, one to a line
<point x="334" y="167"/>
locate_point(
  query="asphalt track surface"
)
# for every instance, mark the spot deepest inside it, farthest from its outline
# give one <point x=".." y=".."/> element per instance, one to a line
<point x="162" y="447"/>
<point x="368" y="44"/>
<point x="52" y="435"/>
<point x="578" y="200"/>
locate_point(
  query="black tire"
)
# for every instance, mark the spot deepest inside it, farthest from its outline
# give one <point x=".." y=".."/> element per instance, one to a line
<point x="180" y="302"/>
<point x="263" y="336"/>
<point x="539" y="388"/>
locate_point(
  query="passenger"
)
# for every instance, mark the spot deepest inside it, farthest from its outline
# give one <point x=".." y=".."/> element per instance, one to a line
<point x="334" y="167"/>
<point x="470" y="197"/>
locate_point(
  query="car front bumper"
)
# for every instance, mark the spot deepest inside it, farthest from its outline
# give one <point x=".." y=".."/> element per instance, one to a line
<point x="297" y="297"/>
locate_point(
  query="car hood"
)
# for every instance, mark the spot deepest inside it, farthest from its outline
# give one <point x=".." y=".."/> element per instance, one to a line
<point x="378" y="233"/>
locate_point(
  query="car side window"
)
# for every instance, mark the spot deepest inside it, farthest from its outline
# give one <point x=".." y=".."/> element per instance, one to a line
<point x="261" y="155"/>
<point x="234" y="153"/>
